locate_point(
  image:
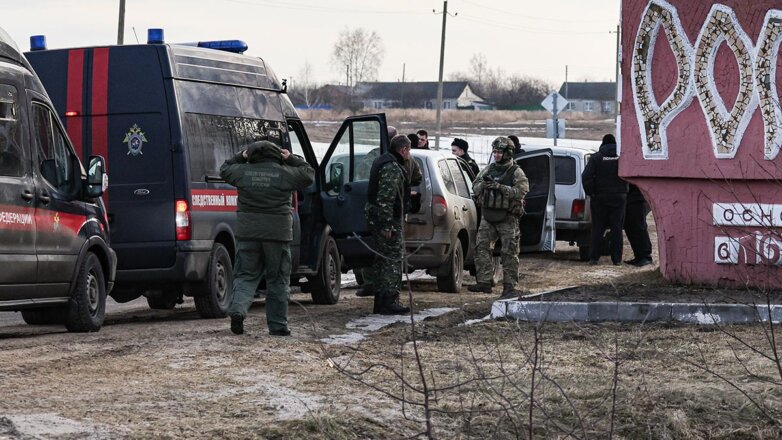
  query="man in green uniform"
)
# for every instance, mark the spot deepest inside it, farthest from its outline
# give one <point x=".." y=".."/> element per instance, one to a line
<point x="265" y="176"/>
<point x="501" y="188"/>
<point x="384" y="210"/>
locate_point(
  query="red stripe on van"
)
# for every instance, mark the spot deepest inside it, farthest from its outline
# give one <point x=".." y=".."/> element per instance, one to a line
<point x="74" y="97"/>
<point x="100" y="106"/>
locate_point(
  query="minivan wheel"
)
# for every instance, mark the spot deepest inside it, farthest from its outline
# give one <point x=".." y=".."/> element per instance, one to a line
<point x="213" y="295"/>
<point x="44" y="316"/>
<point x="326" y="283"/>
<point x="452" y="280"/>
<point x="87" y="306"/>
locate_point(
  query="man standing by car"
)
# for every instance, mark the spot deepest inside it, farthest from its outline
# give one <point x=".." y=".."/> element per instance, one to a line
<point x="501" y="188"/>
<point x="423" y="140"/>
<point x="636" y="229"/>
<point x="384" y="210"/>
<point x="459" y="149"/>
<point x="609" y="195"/>
<point x="265" y="177"/>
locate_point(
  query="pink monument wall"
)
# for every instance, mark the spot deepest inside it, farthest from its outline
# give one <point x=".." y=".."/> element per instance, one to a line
<point x="700" y="132"/>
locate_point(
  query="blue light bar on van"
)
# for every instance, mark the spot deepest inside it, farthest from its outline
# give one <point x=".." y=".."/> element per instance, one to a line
<point x="235" y="46"/>
<point x="37" y="42"/>
<point x="155" y="36"/>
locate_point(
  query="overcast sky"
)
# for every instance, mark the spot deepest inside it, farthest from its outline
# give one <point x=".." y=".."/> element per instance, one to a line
<point x="525" y="37"/>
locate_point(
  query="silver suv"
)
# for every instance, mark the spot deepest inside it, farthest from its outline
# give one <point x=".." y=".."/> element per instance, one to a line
<point x="573" y="220"/>
<point x="440" y="237"/>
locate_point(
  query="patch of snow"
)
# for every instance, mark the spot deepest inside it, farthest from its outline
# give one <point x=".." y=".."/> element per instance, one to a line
<point x="372" y="323"/>
<point x="475" y="321"/>
<point x="45" y="425"/>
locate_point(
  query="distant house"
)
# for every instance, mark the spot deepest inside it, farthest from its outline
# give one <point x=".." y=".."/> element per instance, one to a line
<point x="456" y="95"/>
<point x="597" y="97"/>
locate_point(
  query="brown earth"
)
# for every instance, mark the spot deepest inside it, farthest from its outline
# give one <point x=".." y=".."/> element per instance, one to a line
<point x="167" y="374"/>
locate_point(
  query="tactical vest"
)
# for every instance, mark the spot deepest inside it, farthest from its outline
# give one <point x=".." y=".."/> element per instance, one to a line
<point x="495" y="204"/>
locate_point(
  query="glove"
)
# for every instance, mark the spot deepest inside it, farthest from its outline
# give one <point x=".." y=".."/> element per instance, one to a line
<point x="504" y="189"/>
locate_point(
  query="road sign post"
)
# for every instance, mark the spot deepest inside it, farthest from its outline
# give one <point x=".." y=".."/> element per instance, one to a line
<point x="553" y="103"/>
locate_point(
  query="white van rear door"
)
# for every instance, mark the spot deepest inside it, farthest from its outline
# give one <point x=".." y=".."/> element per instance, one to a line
<point x="537" y="226"/>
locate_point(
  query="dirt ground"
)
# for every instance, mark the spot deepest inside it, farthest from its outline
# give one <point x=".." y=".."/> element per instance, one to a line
<point x="346" y="374"/>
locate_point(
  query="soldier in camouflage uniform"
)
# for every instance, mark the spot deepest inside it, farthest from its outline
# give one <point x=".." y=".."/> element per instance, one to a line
<point x="501" y="188"/>
<point x="384" y="210"/>
<point x="265" y="177"/>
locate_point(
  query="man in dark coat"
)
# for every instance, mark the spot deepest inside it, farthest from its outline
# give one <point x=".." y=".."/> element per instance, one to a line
<point x="265" y="177"/>
<point x="636" y="229"/>
<point x="388" y="184"/>
<point x="609" y="195"/>
<point x="459" y="149"/>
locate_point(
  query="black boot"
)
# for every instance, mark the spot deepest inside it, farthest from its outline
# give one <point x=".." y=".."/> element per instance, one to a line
<point x="480" y="287"/>
<point x="378" y="304"/>
<point x="390" y="305"/>
<point x="365" y="290"/>
<point x="508" y="291"/>
<point x="237" y="324"/>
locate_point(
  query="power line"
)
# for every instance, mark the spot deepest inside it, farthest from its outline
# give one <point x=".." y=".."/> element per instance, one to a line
<point x="523" y="29"/>
<point x="314" y="8"/>
<point x="506" y="12"/>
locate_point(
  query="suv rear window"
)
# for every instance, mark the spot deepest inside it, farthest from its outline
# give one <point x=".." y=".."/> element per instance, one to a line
<point x="564" y="170"/>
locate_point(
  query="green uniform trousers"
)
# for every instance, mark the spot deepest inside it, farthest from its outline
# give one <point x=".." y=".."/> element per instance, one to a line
<point x="256" y="260"/>
<point x="508" y="231"/>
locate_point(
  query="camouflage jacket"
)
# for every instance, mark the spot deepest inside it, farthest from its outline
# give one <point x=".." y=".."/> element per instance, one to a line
<point x="390" y="193"/>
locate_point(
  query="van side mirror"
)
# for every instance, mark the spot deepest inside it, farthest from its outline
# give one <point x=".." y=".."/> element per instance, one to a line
<point x="336" y="175"/>
<point x="97" y="179"/>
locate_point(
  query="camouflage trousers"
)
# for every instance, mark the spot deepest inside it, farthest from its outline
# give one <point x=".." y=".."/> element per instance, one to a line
<point x="385" y="275"/>
<point x="508" y="232"/>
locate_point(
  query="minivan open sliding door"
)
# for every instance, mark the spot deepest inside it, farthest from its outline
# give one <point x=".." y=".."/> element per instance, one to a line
<point x="537" y="224"/>
<point x="344" y="181"/>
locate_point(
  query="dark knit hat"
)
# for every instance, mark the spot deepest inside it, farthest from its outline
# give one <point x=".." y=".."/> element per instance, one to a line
<point x="461" y="143"/>
<point x="609" y="139"/>
<point x="263" y="150"/>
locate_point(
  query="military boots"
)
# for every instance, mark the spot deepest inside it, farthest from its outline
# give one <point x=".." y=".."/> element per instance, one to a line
<point x="508" y="291"/>
<point x="389" y="305"/>
<point x="480" y="287"/>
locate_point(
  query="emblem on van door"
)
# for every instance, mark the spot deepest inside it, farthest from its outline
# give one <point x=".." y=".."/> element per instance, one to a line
<point x="135" y="139"/>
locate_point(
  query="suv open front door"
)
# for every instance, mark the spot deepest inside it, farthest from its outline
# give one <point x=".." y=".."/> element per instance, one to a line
<point x="344" y="182"/>
<point x="537" y="225"/>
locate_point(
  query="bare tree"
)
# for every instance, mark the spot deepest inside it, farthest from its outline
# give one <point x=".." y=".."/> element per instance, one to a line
<point x="357" y="53"/>
<point x="479" y="70"/>
<point x="306" y="84"/>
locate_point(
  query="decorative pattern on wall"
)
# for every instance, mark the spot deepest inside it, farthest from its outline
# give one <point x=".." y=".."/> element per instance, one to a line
<point x="652" y="117"/>
<point x="766" y="81"/>
<point x="726" y="128"/>
<point x="757" y="79"/>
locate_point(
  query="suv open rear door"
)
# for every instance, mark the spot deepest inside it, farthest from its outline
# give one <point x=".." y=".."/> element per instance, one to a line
<point x="344" y="182"/>
<point x="537" y="225"/>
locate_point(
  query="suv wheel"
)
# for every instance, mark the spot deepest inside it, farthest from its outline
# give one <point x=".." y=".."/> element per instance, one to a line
<point x="43" y="316"/>
<point x="213" y="295"/>
<point x="326" y="283"/>
<point x="452" y="280"/>
<point x="87" y="306"/>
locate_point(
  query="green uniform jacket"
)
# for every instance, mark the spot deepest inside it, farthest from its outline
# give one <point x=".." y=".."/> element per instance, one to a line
<point x="264" y="205"/>
<point x="391" y="186"/>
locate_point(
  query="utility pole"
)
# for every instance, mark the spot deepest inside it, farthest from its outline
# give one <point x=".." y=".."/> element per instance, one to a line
<point x="440" y="78"/>
<point x="566" y="83"/>
<point x="121" y="26"/>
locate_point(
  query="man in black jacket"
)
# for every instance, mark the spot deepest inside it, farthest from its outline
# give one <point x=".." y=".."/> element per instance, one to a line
<point x="609" y="196"/>
<point x="635" y="228"/>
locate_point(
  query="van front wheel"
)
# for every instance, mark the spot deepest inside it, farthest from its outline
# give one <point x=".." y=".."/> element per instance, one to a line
<point x="326" y="283"/>
<point x="87" y="305"/>
<point x="213" y="295"/>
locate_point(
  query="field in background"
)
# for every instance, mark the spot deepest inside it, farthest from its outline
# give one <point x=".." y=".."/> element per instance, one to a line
<point x="322" y="125"/>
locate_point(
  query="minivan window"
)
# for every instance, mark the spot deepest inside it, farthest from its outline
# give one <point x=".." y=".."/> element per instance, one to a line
<point x="54" y="156"/>
<point x="564" y="170"/>
<point x="459" y="180"/>
<point x="447" y="179"/>
<point x="11" y="156"/>
<point x="366" y="148"/>
<point x="212" y="139"/>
